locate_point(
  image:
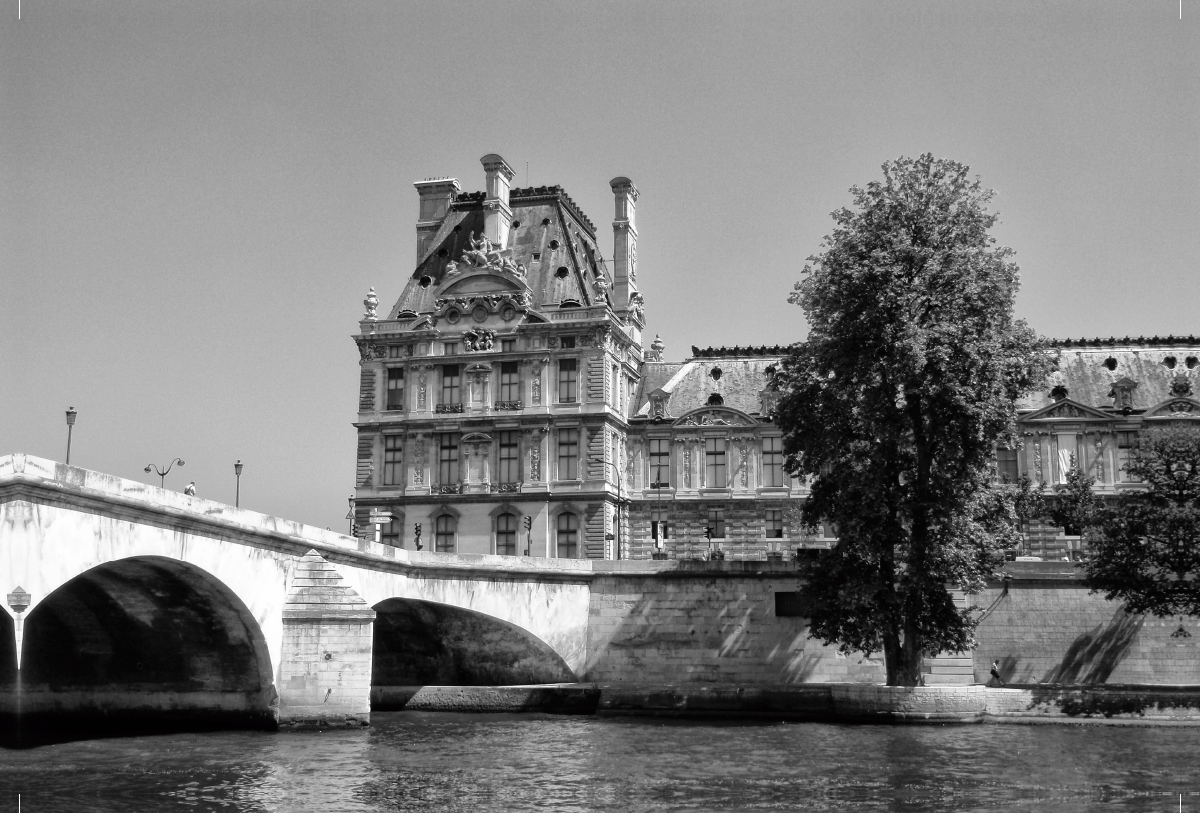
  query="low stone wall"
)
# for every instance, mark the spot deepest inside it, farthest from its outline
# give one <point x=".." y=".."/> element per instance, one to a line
<point x="895" y="704"/>
<point x="1044" y="626"/>
<point x="711" y="623"/>
<point x="560" y="698"/>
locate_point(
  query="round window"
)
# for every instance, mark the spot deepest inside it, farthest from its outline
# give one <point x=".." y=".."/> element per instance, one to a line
<point x="480" y="313"/>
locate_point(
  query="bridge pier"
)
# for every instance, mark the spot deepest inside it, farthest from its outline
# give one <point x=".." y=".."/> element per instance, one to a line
<point x="325" y="672"/>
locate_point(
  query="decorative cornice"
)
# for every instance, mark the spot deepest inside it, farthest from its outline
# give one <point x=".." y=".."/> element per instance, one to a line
<point x="1140" y="341"/>
<point x="736" y="351"/>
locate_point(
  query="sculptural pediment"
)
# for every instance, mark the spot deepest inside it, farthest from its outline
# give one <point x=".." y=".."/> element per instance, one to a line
<point x="715" y="416"/>
<point x="1175" y="408"/>
<point x="1066" y="409"/>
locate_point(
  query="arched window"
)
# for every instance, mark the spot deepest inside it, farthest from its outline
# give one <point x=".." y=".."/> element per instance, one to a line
<point x="568" y="535"/>
<point x="445" y="528"/>
<point x="506" y="535"/>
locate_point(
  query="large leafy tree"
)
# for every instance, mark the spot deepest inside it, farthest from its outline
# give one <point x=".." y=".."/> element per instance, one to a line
<point x="1145" y="550"/>
<point x="894" y="404"/>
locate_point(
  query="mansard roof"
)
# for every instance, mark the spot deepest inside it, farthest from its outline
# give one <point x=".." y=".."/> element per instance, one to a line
<point x="546" y="223"/>
<point x="689" y="385"/>
<point x="1087" y="369"/>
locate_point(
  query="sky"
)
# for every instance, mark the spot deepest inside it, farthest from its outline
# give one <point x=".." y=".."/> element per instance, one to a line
<point x="195" y="197"/>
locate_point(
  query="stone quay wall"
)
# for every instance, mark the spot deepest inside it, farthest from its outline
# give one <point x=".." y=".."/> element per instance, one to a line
<point x="710" y="622"/>
<point x="1044" y="627"/>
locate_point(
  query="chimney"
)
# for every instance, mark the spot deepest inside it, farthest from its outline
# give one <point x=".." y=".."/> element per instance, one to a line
<point x="496" y="212"/>
<point x="625" y="250"/>
<point x="436" y="196"/>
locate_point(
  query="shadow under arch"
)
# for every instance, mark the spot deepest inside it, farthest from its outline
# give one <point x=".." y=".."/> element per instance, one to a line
<point x="425" y="643"/>
<point x="140" y="644"/>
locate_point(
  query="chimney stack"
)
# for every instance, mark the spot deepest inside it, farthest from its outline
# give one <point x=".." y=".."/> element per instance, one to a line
<point x="497" y="215"/>
<point x="436" y="196"/>
<point x="625" y="249"/>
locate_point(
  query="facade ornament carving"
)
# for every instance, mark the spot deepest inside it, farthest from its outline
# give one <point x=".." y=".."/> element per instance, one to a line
<point x="1122" y="394"/>
<point x="372" y="305"/>
<point x="419" y="460"/>
<point x="637" y="304"/>
<point x="421" y="390"/>
<point x="483" y="253"/>
<point x="655" y="353"/>
<point x="713" y="418"/>
<point x="451" y="268"/>
<point x="744" y="463"/>
<point x="1180" y="386"/>
<point x="1037" y="459"/>
<point x="477" y="340"/>
<point x="1100" y="458"/>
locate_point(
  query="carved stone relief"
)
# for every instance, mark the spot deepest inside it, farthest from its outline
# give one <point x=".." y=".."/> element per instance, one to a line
<point x="421" y="390"/>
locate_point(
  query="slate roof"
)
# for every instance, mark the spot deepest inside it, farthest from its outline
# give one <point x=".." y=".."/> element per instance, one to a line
<point x="542" y="215"/>
<point x="1084" y="369"/>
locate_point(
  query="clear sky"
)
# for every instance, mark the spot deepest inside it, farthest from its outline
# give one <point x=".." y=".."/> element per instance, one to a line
<point x="195" y="196"/>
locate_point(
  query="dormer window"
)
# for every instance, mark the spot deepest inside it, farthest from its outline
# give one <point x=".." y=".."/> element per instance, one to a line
<point x="1122" y="394"/>
<point x="715" y="399"/>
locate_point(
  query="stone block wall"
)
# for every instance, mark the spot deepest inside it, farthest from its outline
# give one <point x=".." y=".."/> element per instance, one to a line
<point x="717" y="627"/>
<point x="1054" y="631"/>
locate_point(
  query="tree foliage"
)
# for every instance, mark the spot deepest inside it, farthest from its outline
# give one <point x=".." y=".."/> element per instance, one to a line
<point x="894" y="403"/>
<point x="1076" y="507"/>
<point x="1147" y="548"/>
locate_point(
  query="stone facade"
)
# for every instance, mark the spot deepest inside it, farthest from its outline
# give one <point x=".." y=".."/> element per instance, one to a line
<point x="509" y="386"/>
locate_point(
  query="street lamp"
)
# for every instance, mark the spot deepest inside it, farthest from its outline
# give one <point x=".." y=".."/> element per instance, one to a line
<point x="237" y="494"/>
<point x="660" y="544"/>
<point x="71" y="413"/>
<point x="350" y="514"/>
<point x="162" y="475"/>
<point x="617" y="469"/>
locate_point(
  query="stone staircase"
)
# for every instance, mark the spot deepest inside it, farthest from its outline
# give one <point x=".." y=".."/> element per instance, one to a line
<point x="951" y="668"/>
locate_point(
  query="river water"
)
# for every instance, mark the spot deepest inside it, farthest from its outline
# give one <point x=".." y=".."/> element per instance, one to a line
<point x="414" y="761"/>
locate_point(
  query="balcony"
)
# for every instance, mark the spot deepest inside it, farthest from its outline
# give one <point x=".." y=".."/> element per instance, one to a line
<point x="455" y="488"/>
<point x="448" y="408"/>
<point x="511" y="405"/>
<point x="505" y="488"/>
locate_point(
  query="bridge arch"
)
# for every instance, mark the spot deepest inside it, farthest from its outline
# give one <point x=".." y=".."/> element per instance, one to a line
<point x="144" y="642"/>
<point x="423" y="643"/>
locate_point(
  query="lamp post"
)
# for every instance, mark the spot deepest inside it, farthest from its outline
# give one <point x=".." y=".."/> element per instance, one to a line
<point x="71" y="413"/>
<point x="350" y="514"/>
<point x="162" y="474"/>
<point x="237" y="494"/>
<point x="617" y="545"/>
<point x="660" y="544"/>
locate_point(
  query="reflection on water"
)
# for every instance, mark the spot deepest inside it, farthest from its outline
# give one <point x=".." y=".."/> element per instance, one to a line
<point x="412" y="761"/>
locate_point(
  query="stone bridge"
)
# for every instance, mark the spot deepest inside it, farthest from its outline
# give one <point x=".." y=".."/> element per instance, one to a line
<point x="126" y="599"/>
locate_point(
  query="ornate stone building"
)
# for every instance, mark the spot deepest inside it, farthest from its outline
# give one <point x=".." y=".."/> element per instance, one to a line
<point x="508" y="404"/>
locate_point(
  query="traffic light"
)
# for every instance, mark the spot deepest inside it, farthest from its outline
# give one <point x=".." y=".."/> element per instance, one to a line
<point x="708" y="533"/>
<point x="417" y="534"/>
<point x="528" y="523"/>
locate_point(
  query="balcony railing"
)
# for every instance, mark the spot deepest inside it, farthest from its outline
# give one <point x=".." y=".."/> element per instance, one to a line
<point x="448" y="408"/>
<point x="455" y="488"/>
<point x="508" y="405"/>
<point x="505" y="488"/>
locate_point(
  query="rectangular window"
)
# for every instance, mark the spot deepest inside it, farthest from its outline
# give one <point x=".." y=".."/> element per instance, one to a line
<point x="568" y="454"/>
<point x="451" y="384"/>
<point x="774" y="524"/>
<point x="395" y="351"/>
<point x="714" y="462"/>
<point x="616" y="387"/>
<point x="1127" y="442"/>
<point x="448" y="459"/>
<point x="567" y="535"/>
<point x="659" y="525"/>
<point x="790" y="605"/>
<point x="568" y="342"/>
<point x="445" y="528"/>
<point x="508" y="345"/>
<point x="449" y="348"/>
<point x="772" y="462"/>
<point x="716" y="523"/>
<point x="395" y="388"/>
<point x="1006" y="465"/>
<point x="506" y="535"/>
<point x="510" y="457"/>
<point x="568" y="381"/>
<point x="390" y="533"/>
<point x="393" y="460"/>
<point x="660" y="462"/>
<point x="510" y="381"/>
